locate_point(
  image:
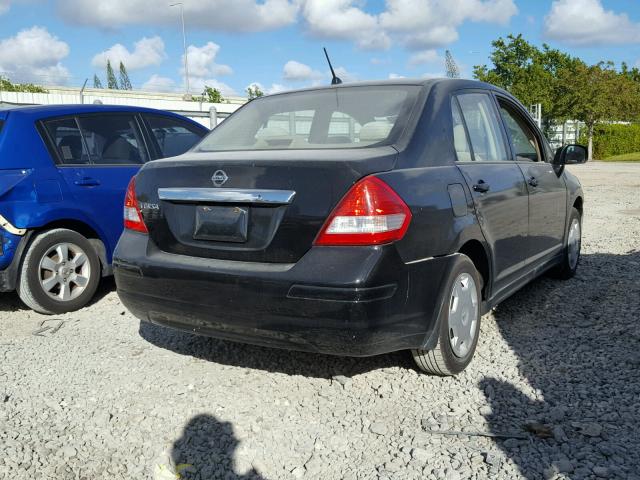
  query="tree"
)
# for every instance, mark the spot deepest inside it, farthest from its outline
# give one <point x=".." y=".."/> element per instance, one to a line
<point x="212" y="95"/>
<point x="96" y="82"/>
<point x="7" y="86"/>
<point x="529" y="73"/>
<point x="125" y="83"/>
<point x="599" y="93"/>
<point x="632" y="73"/>
<point x="452" y="68"/>
<point x="112" y="83"/>
<point x="253" y="91"/>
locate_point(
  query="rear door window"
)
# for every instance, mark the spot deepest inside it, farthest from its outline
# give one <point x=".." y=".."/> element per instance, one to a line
<point x="67" y="141"/>
<point x="480" y="118"/>
<point x="113" y="139"/>
<point x="460" y="140"/>
<point x="173" y="136"/>
<point x="1" y="125"/>
<point x="523" y="140"/>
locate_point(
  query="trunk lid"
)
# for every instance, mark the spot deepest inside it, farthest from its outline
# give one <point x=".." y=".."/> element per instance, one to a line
<point x="254" y="206"/>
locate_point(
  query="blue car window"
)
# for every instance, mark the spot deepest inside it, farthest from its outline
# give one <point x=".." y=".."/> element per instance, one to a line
<point x="1" y="125"/>
<point x="66" y="138"/>
<point x="173" y="135"/>
<point x="113" y="139"/>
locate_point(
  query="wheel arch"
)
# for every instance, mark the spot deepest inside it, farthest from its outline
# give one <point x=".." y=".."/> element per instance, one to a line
<point x="476" y="251"/>
<point x="86" y="231"/>
<point x="577" y="204"/>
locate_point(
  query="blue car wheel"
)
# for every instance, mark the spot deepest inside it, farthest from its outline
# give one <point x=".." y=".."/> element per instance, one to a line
<point x="60" y="272"/>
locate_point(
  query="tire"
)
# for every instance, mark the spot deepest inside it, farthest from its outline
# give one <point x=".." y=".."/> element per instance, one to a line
<point x="455" y="349"/>
<point x="571" y="254"/>
<point x="44" y="279"/>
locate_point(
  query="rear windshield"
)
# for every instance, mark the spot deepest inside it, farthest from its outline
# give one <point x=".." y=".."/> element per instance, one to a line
<point x="345" y="117"/>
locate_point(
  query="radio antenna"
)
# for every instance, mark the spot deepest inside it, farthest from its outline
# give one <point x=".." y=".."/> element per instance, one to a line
<point x="334" y="80"/>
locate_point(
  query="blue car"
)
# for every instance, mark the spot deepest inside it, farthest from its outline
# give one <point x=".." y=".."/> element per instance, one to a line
<point x="64" y="171"/>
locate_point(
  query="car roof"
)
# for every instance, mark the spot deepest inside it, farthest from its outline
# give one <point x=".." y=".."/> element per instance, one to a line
<point x="44" y="111"/>
<point x="452" y="83"/>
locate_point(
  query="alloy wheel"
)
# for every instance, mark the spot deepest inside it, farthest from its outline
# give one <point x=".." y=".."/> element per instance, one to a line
<point x="64" y="271"/>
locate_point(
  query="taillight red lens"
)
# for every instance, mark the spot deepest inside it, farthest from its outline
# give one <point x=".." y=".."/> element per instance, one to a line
<point x="371" y="213"/>
<point x="132" y="214"/>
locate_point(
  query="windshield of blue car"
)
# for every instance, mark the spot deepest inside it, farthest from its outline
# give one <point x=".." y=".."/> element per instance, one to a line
<point x="344" y="117"/>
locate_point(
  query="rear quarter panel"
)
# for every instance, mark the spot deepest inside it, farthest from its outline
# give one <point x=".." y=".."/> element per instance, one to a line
<point x="434" y="230"/>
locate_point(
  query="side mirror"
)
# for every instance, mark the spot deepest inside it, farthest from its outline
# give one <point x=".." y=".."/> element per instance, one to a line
<point x="570" y="155"/>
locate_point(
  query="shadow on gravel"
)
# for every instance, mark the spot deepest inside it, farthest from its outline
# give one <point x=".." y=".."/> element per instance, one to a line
<point x="289" y="362"/>
<point x="206" y="450"/>
<point x="10" y="302"/>
<point x="578" y="346"/>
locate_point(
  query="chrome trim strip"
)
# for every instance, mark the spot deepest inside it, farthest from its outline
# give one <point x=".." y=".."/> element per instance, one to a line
<point x="419" y="260"/>
<point x="4" y="223"/>
<point x="227" y="195"/>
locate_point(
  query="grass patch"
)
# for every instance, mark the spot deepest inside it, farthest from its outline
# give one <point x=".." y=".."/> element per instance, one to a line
<point x="627" y="157"/>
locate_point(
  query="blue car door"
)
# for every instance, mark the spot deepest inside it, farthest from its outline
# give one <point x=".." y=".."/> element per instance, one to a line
<point x="98" y="155"/>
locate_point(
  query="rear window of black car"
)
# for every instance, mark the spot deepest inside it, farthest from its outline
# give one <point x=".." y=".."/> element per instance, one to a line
<point x="344" y="117"/>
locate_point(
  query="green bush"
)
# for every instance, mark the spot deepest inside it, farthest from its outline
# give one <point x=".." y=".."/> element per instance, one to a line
<point x="7" y="86"/>
<point x="609" y="140"/>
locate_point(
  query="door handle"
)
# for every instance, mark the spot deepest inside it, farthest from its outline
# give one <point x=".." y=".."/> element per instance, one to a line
<point x="481" y="187"/>
<point x="87" y="182"/>
<point x="532" y="181"/>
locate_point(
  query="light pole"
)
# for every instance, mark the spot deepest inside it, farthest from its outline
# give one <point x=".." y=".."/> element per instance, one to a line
<point x="184" y="45"/>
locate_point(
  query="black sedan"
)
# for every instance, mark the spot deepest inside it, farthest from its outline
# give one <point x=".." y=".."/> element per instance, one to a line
<point x="353" y="220"/>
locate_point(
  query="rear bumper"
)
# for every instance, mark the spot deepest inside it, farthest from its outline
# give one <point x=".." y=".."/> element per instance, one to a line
<point x="11" y="249"/>
<point x="354" y="301"/>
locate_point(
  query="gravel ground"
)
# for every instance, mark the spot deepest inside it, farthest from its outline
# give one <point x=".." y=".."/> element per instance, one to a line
<point x="555" y="373"/>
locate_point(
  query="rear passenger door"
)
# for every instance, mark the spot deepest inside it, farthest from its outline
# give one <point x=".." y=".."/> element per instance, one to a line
<point x="496" y="183"/>
<point x="547" y="190"/>
<point x="97" y="155"/>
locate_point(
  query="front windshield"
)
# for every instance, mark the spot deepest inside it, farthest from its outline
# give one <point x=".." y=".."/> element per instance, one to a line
<point x="345" y="117"/>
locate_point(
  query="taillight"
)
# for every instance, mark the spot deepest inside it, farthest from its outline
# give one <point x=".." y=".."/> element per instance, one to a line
<point x="370" y="213"/>
<point x="132" y="214"/>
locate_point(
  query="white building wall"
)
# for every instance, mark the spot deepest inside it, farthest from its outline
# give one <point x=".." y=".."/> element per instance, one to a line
<point x="198" y="111"/>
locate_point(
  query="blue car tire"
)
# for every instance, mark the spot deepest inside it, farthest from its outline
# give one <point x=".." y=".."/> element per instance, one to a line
<point x="60" y="272"/>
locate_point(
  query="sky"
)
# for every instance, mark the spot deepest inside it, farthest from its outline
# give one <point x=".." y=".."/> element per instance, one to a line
<point x="277" y="44"/>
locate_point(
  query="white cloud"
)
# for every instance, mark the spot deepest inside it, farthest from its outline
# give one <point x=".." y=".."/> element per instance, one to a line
<point x="202" y="61"/>
<point x="274" y="88"/>
<point x="425" y="24"/>
<point x="34" y="55"/>
<point x="157" y="83"/>
<point x="426" y="56"/>
<point x="379" y="61"/>
<point x="586" y="22"/>
<point x="298" y="72"/>
<point x="393" y="76"/>
<point x="345" y="75"/>
<point x="340" y="19"/>
<point x="146" y="52"/>
<point x="417" y="24"/>
<point x="203" y="69"/>
<point x="4" y="6"/>
<point x="196" y="85"/>
<point x="226" y="15"/>
<point x="430" y="75"/>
